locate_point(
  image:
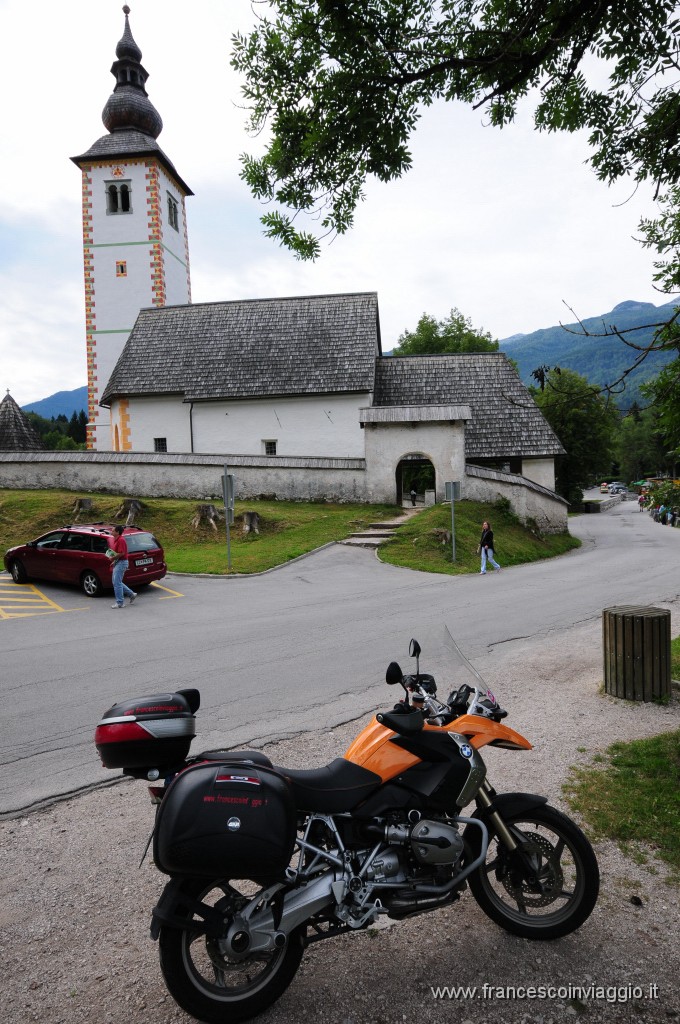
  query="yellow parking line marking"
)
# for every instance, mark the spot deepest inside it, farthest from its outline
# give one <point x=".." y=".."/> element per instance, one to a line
<point x="19" y="601"/>
<point x="172" y="593"/>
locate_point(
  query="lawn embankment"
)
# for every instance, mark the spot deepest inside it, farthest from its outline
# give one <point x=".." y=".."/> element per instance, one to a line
<point x="631" y="795"/>
<point x="418" y="544"/>
<point x="287" y="529"/>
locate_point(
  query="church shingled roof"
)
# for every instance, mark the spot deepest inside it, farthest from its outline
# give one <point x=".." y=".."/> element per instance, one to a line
<point x="257" y="348"/>
<point x="505" y="421"/>
<point x="16" y="432"/>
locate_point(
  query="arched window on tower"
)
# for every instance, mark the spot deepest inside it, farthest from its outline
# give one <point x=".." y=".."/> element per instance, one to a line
<point x="173" y="216"/>
<point x="118" y="197"/>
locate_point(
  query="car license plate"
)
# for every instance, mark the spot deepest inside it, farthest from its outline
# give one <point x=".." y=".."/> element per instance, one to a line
<point x="144" y="561"/>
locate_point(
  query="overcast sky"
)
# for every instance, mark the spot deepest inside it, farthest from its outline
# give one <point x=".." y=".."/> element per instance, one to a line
<point x="507" y="226"/>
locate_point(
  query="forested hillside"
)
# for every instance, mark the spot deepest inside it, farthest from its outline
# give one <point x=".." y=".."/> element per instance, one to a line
<point x="600" y="360"/>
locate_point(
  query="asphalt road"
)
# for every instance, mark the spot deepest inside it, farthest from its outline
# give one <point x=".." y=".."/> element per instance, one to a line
<point x="300" y="648"/>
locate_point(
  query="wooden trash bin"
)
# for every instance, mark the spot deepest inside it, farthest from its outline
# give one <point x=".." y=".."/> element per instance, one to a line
<point x="636" y="642"/>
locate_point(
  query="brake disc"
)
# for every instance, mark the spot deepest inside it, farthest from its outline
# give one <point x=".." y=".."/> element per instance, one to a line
<point x="549" y="873"/>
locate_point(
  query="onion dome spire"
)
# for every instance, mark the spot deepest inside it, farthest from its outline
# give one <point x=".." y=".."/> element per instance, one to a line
<point x="129" y="105"/>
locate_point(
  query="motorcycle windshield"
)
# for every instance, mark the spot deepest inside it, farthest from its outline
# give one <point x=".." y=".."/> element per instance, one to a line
<point x="442" y="657"/>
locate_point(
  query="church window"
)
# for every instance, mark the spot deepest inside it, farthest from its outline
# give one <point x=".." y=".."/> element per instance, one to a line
<point x="269" y="447"/>
<point x="173" y="216"/>
<point x="121" y="268"/>
<point x="160" y="444"/>
<point x="118" y="197"/>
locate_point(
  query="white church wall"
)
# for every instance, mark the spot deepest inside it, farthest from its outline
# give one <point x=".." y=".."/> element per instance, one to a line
<point x="165" y="417"/>
<point x="326" y="426"/>
<point x="541" y="471"/>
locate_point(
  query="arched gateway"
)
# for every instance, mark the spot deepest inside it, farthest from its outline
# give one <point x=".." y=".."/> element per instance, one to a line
<point x="415" y="471"/>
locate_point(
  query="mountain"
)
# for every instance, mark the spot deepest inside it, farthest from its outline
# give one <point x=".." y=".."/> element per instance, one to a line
<point x="62" y="403"/>
<point x="600" y="360"/>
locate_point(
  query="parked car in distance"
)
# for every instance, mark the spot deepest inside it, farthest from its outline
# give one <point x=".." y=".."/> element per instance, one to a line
<point x="617" y="488"/>
<point x="77" y="554"/>
<point x="604" y="488"/>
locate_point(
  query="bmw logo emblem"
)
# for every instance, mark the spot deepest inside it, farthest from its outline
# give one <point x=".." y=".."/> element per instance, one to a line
<point x="466" y="750"/>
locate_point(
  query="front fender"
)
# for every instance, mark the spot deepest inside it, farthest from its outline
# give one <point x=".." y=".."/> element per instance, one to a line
<point x="508" y="805"/>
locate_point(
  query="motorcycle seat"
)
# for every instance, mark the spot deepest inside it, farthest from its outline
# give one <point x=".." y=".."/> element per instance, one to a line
<point x="337" y="787"/>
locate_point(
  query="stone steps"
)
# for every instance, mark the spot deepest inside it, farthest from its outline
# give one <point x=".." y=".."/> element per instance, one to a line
<point x="375" y="534"/>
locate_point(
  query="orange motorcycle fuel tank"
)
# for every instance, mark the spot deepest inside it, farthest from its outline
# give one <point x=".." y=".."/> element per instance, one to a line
<point x="387" y="754"/>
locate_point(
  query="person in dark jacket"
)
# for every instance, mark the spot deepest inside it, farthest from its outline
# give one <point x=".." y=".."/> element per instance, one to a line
<point x="486" y="549"/>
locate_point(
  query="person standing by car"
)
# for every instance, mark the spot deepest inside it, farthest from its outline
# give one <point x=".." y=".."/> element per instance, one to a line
<point x="486" y="549"/>
<point x="120" y="565"/>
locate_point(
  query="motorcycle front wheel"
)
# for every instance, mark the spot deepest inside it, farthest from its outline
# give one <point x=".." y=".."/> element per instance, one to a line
<point x="548" y="886"/>
<point x="205" y="981"/>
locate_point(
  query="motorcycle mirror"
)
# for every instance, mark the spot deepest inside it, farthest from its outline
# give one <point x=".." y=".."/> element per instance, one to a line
<point x="394" y="674"/>
<point x="414" y="651"/>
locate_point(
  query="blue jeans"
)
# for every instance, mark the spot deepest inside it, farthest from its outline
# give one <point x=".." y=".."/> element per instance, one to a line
<point x="120" y="589"/>
<point x="488" y="554"/>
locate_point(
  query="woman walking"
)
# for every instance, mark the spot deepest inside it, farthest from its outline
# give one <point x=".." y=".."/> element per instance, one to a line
<point x="486" y="548"/>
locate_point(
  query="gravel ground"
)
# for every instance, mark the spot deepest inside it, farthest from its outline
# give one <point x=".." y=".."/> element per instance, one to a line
<point x="74" y="906"/>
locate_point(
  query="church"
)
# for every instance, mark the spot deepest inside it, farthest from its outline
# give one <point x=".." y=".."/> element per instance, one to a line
<point x="294" y="393"/>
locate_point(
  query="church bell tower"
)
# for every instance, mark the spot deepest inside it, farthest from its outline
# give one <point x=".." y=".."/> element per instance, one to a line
<point x="135" y="244"/>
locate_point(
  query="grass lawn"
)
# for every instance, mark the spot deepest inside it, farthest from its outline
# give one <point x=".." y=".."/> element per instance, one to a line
<point x="675" y="658"/>
<point x="287" y="529"/>
<point x="416" y="546"/>
<point x="632" y="795"/>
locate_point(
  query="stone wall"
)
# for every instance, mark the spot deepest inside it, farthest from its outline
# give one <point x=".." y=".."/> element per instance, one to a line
<point x="185" y="476"/>
<point x="198" y="476"/>
<point x="529" y="501"/>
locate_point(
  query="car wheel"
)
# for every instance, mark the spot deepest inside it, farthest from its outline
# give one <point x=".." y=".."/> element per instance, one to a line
<point x="91" y="584"/>
<point x="18" y="572"/>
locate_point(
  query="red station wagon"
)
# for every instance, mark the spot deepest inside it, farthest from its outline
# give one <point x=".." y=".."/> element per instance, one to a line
<point x="77" y="554"/>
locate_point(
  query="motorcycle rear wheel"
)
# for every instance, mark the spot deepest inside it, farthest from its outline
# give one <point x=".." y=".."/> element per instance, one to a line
<point x="205" y="982"/>
<point x="557" y="856"/>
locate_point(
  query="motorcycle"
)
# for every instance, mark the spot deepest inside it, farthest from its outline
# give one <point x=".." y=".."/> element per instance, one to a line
<point x="263" y="860"/>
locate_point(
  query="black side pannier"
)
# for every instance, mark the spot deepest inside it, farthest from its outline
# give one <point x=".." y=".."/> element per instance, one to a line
<point x="226" y="821"/>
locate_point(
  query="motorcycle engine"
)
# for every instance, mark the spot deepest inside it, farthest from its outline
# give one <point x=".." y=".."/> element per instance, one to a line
<point x="434" y="842"/>
<point x="431" y="842"/>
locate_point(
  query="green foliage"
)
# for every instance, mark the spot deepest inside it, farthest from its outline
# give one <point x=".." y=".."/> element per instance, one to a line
<point x="341" y="85"/>
<point x="635" y="798"/>
<point x="59" y="433"/>
<point x="585" y="424"/>
<point x="666" y="493"/>
<point x="664" y="391"/>
<point x="639" y="447"/>
<point x="453" y="334"/>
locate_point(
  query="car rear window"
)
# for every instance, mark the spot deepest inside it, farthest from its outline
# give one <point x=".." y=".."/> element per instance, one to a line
<point x="140" y="541"/>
